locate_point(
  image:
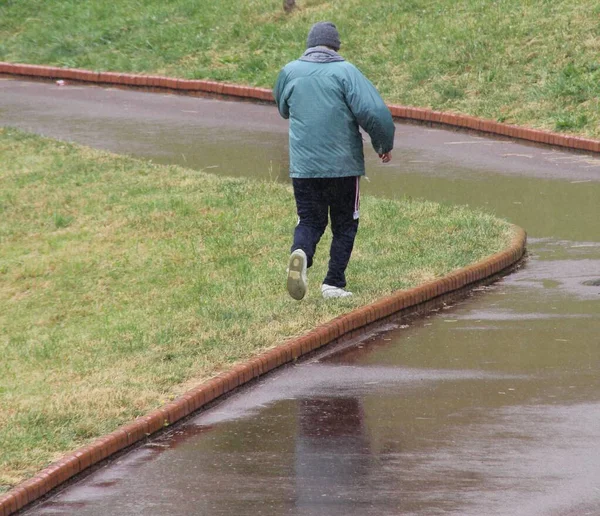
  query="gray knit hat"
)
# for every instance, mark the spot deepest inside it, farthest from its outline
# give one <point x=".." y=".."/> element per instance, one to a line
<point x="323" y="33"/>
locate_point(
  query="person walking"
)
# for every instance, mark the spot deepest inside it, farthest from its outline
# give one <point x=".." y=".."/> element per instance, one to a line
<point x="326" y="100"/>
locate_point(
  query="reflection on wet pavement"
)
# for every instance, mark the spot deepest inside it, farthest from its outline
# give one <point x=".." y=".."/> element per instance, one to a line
<point x="487" y="407"/>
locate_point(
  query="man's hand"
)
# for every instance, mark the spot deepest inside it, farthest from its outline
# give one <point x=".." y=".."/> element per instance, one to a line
<point x="386" y="157"/>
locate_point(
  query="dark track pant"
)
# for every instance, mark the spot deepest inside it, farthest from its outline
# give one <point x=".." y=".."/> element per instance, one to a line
<point x="338" y="197"/>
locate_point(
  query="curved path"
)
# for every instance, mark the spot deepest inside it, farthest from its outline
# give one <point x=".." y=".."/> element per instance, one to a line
<point x="487" y="407"/>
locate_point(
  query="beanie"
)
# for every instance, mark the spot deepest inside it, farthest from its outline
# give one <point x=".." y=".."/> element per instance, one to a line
<point x="323" y="33"/>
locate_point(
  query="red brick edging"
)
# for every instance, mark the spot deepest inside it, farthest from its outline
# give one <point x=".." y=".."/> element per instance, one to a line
<point x="401" y="302"/>
<point x="188" y="86"/>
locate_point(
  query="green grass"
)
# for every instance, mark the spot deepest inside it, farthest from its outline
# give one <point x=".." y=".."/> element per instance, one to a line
<point x="530" y="62"/>
<point x="124" y="283"/>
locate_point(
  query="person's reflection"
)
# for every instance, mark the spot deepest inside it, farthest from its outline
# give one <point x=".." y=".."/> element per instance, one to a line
<point x="332" y="456"/>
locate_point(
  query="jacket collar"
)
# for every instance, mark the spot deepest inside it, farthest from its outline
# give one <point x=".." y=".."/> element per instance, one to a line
<point x="321" y="55"/>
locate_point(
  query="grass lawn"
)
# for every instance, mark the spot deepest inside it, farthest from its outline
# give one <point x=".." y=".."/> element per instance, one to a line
<point x="529" y="62"/>
<point x="124" y="283"/>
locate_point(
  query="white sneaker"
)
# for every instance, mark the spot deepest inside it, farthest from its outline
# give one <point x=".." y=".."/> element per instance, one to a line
<point x="297" y="282"/>
<point x="329" y="291"/>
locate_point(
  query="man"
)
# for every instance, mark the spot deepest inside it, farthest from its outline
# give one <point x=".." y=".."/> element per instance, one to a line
<point x="327" y="99"/>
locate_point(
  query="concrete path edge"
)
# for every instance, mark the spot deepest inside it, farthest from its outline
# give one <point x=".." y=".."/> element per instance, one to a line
<point x="353" y="324"/>
<point x="205" y="87"/>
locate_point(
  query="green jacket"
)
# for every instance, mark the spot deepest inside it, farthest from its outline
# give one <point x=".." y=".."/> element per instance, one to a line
<point x="326" y="100"/>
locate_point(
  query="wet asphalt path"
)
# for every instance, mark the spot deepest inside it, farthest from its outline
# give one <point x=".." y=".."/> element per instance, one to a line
<point x="491" y="406"/>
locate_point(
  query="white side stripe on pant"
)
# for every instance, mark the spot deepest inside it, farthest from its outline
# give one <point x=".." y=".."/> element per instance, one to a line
<point x="357" y="199"/>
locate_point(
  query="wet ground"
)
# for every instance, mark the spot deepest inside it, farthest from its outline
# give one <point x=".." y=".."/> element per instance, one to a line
<point x="490" y="407"/>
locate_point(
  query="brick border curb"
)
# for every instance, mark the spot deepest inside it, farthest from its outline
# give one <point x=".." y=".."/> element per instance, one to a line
<point x="204" y="87"/>
<point x="355" y="323"/>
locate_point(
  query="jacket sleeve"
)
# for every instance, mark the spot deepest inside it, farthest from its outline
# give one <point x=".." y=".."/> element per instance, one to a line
<point x="278" y="94"/>
<point x="370" y="111"/>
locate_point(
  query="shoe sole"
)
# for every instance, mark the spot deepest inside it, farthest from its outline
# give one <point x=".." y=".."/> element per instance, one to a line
<point x="296" y="284"/>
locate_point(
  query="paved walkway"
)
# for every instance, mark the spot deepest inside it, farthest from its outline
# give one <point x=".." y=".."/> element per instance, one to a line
<point x="489" y="407"/>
